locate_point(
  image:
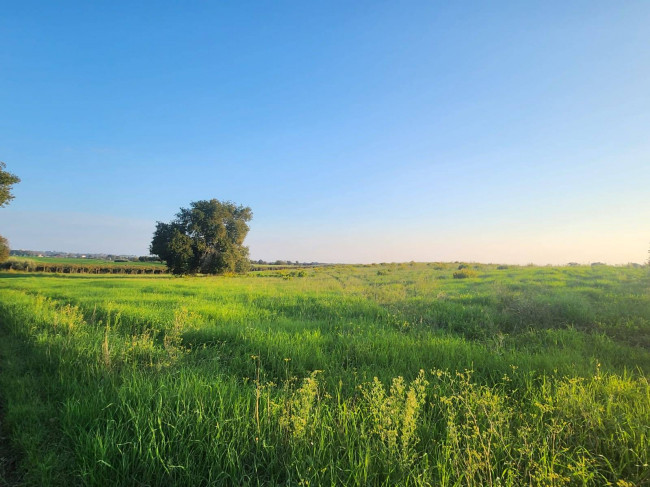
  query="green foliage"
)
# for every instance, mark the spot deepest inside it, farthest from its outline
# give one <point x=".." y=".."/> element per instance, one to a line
<point x="465" y="273"/>
<point x="526" y="376"/>
<point x="7" y="180"/>
<point x="394" y="416"/>
<point x="208" y="238"/>
<point x="4" y="249"/>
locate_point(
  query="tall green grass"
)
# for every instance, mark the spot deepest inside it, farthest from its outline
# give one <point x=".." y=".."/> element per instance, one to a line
<point x="366" y="375"/>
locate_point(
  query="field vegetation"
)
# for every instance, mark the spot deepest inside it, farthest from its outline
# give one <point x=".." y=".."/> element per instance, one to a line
<point x="80" y="261"/>
<point x="81" y="266"/>
<point x="395" y="374"/>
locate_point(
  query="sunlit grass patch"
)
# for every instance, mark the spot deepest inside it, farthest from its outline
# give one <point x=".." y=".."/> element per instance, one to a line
<point x="521" y="376"/>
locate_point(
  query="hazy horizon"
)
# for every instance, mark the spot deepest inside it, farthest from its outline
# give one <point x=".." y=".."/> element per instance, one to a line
<point x="438" y="252"/>
<point x="357" y="133"/>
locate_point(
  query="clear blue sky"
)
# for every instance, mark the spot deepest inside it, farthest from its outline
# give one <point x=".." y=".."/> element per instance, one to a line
<point x="356" y="131"/>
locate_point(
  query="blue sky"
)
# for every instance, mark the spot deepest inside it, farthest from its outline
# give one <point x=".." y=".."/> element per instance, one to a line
<point x="356" y="131"/>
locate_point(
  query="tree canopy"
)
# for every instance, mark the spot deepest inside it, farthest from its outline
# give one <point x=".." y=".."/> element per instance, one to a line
<point x="6" y="181"/>
<point x="206" y="238"/>
<point x="4" y="249"/>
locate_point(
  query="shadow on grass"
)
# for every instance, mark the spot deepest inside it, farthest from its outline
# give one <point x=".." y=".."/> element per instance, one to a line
<point x="32" y="393"/>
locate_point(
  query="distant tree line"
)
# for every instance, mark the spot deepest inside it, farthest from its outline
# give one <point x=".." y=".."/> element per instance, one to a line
<point x="148" y="258"/>
<point x="284" y="262"/>
<point x="68" y="268"/>
<point x="77" y="255"/>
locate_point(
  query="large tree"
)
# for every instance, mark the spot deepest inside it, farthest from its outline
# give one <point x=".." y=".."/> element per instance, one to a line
<point x="207" y="237"/>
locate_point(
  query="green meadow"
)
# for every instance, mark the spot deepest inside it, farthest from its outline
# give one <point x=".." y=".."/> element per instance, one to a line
<point x="392" y="374"/>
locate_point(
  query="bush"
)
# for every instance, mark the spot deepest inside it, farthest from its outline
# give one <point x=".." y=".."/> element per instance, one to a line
<point x="465" y="273"/>
<point x="4" y="249"/>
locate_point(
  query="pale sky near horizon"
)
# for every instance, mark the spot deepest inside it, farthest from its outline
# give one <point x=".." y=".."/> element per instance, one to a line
<point x="362" y="131"/>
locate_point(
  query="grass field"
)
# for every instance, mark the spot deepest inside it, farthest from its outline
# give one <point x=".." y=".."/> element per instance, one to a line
<point x="351" y="375"/>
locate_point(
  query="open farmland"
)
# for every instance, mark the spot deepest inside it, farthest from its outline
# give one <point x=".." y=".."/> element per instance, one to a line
<point x="347" y="375"/>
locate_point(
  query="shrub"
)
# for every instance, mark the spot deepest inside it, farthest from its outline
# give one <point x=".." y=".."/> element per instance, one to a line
<point x="465" y="273"/>
<point x="4" y="249"/>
